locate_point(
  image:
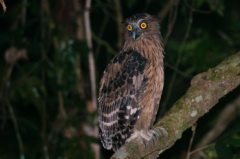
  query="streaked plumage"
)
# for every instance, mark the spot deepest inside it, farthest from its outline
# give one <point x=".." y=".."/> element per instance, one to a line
<point x="132" y="84"/>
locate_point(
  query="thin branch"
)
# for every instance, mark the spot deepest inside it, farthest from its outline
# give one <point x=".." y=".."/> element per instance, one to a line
<point x="79" y="19"/>
<point x="119" y="22"/>
<point x="90" y="54"/>
<point x="201" y="148"/>
<point x="3" y="5"/>
<point x="183" y="74"/>
<point x="172" y="19"/>
<point x="191" y="141"/>
<point x="102" y="27"/>
<point x="167" y="8"/>
<point x="24" y="12"/>
<point x="205" y="91"/>
<point x="225" y="37"/>
<point x="104" y="43"/>
<point x="16" y="128"/>
<point x="80" y="35"/>
<point x="44" y="12"/>
<point x="60" y="96"/>
<point x="195" y="9"/>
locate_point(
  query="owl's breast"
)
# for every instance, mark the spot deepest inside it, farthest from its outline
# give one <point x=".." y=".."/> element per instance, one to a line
<point x="151" y="96"/>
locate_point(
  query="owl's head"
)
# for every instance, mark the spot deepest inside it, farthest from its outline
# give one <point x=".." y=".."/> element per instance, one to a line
<point x="140" y="25"/>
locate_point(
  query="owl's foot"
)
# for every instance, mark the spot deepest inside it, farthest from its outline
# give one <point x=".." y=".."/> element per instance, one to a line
<point x="152" y="135"/>
<point x="161" y="131"/>
<point x="149" y="135"/>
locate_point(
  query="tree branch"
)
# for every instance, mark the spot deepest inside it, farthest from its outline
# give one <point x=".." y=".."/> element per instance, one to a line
<point x="91" y="63"/>
<point x="119" y="21"/>
<point x="3" y="5"/>
<point x="16" y="128"/>
<point x="205" y="91"/>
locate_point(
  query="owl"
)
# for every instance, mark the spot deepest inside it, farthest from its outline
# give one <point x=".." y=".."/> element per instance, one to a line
<point x="132" y="83"/>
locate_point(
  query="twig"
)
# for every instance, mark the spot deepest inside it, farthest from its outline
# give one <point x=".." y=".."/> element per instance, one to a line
<point x="3" y="110"/>
<point x="195" y="9"/>
<point x="166" y="9"/>
<point x="79" y="19"/>
<point x="16" y="128"/>
<point x="44" y="12"/>
<point x="172" y="19"/>
<point x="201" y="148"/>
<point x="24" y="12"/>
<point x="3" y="5"/>
<point x="105" y="44"/>
<point x="61" y="106"/>
<point x="177" y="70"/>
<point x="43" y="112"/>
<point x="102" y="28"/>
<point x="57" y="127"/>
<point x="119" y="22"/>
<point x="191" y="141"/>
<point x="226" y="38"/>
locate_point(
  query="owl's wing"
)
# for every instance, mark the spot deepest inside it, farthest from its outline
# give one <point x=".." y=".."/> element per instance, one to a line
<point x="121" y="88"/>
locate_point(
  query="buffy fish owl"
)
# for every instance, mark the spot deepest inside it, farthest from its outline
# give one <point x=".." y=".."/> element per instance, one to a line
<point x="132" y="83"/>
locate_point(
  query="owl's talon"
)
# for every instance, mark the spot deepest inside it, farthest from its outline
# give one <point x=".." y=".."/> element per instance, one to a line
<point x="162" y="131"/>
<point x="150" y="135"/>
<point x="153" y="135"/>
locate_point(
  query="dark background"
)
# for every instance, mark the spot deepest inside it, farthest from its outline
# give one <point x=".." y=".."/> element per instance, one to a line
<point x="46" y="104"/>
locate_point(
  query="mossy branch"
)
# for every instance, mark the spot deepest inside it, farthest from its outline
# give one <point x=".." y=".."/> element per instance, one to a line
<point x="205" y="91"/>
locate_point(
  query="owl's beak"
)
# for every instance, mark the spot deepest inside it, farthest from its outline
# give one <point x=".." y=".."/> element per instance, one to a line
<point x="135" y="34"/>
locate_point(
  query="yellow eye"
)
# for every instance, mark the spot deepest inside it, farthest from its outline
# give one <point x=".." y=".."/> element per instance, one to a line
<point x="129" y="27"/>
<point x="143" y="25"/>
